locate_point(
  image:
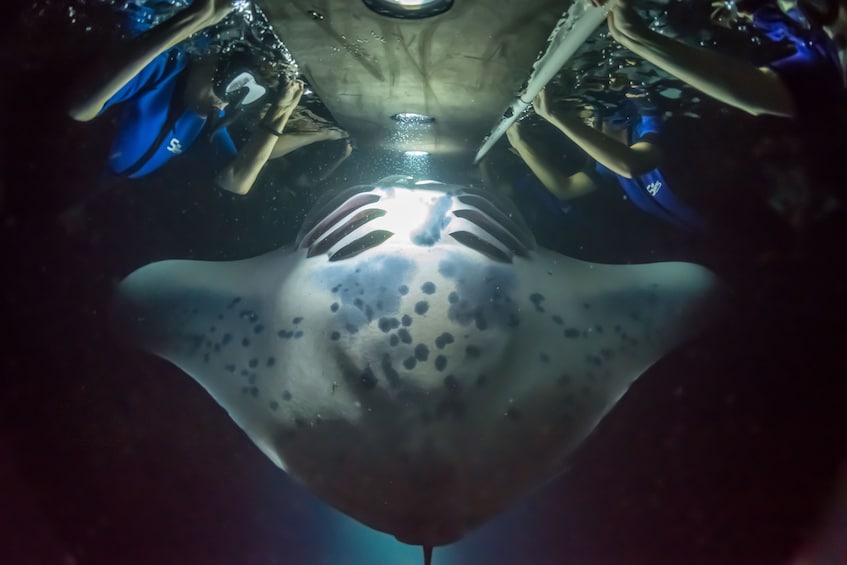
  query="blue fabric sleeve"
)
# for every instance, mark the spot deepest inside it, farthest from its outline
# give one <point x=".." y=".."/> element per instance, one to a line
<point x="812" y="73"/>
<point x="158" y="72"/>
<point x="223" y="144"/>
<point x="646" y="125"/>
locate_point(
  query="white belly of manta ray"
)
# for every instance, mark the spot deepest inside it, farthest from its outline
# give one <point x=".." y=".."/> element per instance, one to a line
<point x="415" y="359"/>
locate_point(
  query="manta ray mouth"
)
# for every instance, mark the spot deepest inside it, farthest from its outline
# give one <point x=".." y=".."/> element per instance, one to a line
<point x="348" y="225"/>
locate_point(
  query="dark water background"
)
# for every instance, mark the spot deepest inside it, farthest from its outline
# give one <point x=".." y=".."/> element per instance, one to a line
<point x="727" y="451"/>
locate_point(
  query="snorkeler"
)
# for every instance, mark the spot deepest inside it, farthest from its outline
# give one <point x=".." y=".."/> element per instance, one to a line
<point x="625" y="150"/>
<point x="171" y="103"/>
<point x="809" y="78"/>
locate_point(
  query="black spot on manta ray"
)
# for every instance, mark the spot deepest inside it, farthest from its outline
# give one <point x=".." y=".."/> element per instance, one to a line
<point x="334" y="307"/>
<point x="270" y="362"/>
<point x="421" y="307"/>
<point x="421" y="352"/>
<point x="403" y="290"/>
<point x="536" y="300"/>
<point x="571" y="333"/>
<point x="334" y="336"/>
<point x="405" y="336"/>
<point x="443" y="340"/>
<point x="472" y="351"/>
<point x="558" y="320"/>
<point x="410" y="363"/>
<point x="226" y="339"/>
<point x="393" y="340"/>
<point x="297" y="320"/>
<point x="407" y="320"/>
<point x="386" y="324"/>
<point x="257" y="329"/>
<point x="248" y="315"/>
<point x="253" y="363"/>
<point x="245" y="342"/>
<point x="484" y="299"/>
<point x="453" y="297"/>
<point x="440" y="362"/>
<point x="451" y="383"/>
<point x="428" y="287"/>
<point x="286" y="395"/>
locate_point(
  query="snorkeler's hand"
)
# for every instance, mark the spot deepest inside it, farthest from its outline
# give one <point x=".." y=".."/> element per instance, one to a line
<point x="287" y="101"/>
<point x="513" y="134"/>
<point x="211" y="12"/>
<point x="541" y="105"/>
<point x="625" y="22"/>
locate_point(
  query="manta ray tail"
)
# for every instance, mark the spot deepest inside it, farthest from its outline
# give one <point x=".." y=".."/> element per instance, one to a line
<point x="427" y="549"/>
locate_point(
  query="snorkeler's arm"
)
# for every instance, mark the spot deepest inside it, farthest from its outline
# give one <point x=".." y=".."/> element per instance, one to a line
<point x="106" y="77"/>
<point x="292" y="141"/>
<point x="755" y="90"/>
<point x="562" y="186"/>
<point x="240" y="175"/>
<point x="627" y="161"/>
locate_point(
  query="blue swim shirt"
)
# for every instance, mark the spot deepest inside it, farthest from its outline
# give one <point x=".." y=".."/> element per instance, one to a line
<point x="812" y="72"/>
<point x="651" y="191"/>
<point x="145" y="101"/>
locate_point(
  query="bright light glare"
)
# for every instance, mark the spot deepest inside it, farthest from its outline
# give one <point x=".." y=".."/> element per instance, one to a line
<point x="412" y="118"/>
<point x="411" y="3"/>
<point x="416" y="153"/>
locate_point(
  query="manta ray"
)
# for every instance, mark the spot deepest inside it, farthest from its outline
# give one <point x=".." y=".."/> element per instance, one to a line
<point x="414" y="358"/>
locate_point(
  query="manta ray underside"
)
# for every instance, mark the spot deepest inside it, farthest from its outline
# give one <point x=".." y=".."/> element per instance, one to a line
<point x="414" y="358"/>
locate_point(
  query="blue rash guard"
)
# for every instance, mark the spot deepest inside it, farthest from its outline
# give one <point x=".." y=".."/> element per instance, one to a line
<point x="145" y="102"/>
<point x="813" y="72"/>
<point x="650" y="191"/>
